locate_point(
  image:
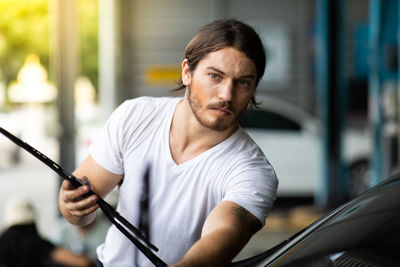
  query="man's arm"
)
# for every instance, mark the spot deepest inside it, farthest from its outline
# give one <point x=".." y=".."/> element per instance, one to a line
<point x="80" y="211"/>
<point x="226" y="231"/>
<point x="65" y="257"/>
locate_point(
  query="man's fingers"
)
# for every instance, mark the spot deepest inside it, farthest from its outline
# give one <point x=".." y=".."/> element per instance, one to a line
<point x="82" y="204"/>
<point x="86" y="181"/>
<point x="71" y="194"/>
<point x="84" y="211"/>
<point x="76" y="199"/>
<point x="66" y="185"/>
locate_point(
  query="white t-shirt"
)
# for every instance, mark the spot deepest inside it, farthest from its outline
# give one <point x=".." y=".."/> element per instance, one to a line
<point x="181" y="196"/>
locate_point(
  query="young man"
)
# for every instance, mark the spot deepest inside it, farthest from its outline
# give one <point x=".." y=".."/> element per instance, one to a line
<point x="211" y="187"/>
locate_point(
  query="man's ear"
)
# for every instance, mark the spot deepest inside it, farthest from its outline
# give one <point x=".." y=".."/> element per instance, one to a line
<point x="186" y="74"/>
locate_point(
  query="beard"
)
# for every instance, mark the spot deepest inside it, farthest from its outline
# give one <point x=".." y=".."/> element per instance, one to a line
<point x="218" y="123"/>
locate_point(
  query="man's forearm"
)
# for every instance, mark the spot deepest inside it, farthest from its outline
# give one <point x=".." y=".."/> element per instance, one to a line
<point x="218" y="248"/>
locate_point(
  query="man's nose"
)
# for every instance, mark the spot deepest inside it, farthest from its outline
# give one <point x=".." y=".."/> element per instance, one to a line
<point x="226" y="91"/>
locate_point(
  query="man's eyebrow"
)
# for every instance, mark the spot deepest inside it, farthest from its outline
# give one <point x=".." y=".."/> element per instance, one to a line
<point x="215" y="69"/>
<point x="246" y="76"/>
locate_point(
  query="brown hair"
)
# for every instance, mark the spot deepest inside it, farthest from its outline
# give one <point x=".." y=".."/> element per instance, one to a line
<point x="225" y="33"/>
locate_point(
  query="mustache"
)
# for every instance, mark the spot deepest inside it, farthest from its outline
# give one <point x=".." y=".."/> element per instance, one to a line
<point x="223" y="105"/>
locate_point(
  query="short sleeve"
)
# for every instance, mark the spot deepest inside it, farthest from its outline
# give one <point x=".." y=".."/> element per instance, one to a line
<point x="254" y="190"/>
<point x="106" y="147"/>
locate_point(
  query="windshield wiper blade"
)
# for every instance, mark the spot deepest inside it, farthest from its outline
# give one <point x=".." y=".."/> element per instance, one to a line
<point x="117" y="219"/>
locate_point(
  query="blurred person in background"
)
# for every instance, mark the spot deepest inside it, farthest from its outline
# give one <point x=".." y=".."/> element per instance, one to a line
<point x="84" y="239"/>
<point x="21" y="244"/>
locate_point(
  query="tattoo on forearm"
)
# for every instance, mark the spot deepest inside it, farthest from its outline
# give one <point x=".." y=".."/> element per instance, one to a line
<point x="246" y="219"/>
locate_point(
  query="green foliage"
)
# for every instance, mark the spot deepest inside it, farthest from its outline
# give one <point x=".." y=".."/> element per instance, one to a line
<point x="87" y="13"/>
<point x="24" y="29"/>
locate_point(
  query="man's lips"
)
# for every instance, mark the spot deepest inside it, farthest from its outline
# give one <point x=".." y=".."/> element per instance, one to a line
<point x="222" y="108"/>
<point x="223" y="111"/>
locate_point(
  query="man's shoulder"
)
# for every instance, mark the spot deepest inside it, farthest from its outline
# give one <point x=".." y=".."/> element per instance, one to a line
<point x="245" y="155"/>
<point x="246" y="147"/>
<point x="150" y="101"/>
<point x="144" y="106"/>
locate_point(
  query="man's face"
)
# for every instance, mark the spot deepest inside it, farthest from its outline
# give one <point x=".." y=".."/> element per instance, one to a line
<point x="220" y="87"/>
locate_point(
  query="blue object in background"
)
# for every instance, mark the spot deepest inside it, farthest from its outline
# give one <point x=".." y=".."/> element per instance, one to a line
<point x="361" y="50"/>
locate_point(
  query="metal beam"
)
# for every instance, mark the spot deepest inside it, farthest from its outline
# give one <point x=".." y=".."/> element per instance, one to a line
<point x="64" y="67"/>
<point x="375" y="90"/>
<point x="398" y="80"/>
<point x="331" y="100"/>
<point x="107" y="56"/>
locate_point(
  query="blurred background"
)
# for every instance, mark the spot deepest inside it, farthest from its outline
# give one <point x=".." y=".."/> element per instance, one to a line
<point x="329" y="118"/>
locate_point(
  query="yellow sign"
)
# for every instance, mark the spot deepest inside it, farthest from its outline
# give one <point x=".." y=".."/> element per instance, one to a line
<point x="162" y="75"/>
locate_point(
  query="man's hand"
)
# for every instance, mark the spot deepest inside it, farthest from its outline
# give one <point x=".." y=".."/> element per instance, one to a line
<point x="226" y="231"/>
<point x="75" y="205"/>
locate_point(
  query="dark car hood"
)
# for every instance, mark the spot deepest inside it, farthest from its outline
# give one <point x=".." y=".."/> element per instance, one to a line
<point x="370" y="221"/>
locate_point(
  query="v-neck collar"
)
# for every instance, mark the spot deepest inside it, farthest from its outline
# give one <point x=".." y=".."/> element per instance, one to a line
<point x="198" y="157"/>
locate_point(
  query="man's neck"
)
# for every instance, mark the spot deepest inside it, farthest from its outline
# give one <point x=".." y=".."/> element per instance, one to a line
<point x="188" y="138"/>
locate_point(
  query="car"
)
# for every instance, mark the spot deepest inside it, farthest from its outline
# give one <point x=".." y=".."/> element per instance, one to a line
<point x="290" y="138"/>
<point x="362" y="232"/>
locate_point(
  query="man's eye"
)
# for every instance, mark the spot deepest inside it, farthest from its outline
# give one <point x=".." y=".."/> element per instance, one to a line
<point x="214" y="75"/>
<point x="244" y="83"/>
